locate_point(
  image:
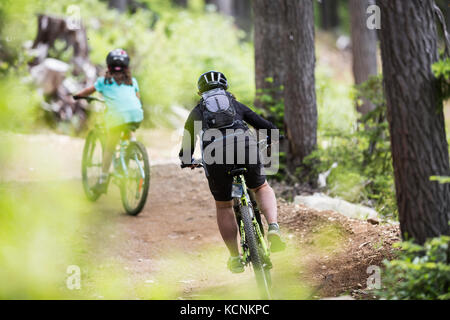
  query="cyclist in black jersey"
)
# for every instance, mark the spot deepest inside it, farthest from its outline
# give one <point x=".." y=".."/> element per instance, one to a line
<point x="213" y="87"/>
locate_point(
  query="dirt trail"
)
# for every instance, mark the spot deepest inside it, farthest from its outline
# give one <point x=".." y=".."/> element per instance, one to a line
<point x="330" y="253"/>
<point x="174" y="247"/>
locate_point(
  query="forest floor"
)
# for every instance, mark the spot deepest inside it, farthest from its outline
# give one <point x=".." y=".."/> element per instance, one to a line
<point x="173" y="249"/>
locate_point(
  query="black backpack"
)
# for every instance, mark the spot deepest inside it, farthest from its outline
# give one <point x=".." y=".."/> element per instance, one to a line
<point x="218" y="109"/>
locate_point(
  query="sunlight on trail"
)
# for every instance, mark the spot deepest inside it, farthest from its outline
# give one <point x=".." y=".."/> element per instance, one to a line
<point x="197" y="275"/>
<point x="40" y="157"/>
<point x="205" y="276"/>
<point x="328" y="239"/>
<point x="202" y="274"/>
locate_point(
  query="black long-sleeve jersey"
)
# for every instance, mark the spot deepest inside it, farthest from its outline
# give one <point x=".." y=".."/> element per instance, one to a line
<point x="243" y="113"/>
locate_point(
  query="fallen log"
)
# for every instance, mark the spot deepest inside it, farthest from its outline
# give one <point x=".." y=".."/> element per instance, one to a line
<point x="56" y="77"/>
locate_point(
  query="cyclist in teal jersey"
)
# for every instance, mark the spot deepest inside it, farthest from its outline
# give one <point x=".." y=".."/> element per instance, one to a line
<point x="124" y="108"/>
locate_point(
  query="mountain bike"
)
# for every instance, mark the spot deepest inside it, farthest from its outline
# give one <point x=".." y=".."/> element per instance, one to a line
<point x="255" y="251"/>
<point x="131" y="167"/>
<point x="254" y="247"/>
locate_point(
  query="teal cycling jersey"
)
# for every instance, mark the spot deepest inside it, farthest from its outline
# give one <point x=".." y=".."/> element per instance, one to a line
<point x="123" y="106"/>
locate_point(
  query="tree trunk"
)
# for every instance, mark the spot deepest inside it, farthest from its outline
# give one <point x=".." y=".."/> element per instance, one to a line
<point x="364" y="47"/>
<point x="329" y="14"/>
<point x="416" y="121"/>
<point x="121" y="5"/>
<point x="181" y="3"/>
<point x="49" y="73"/>
<point x="284" y="67"/>
<point x="241" y="10"/>
<point x="445" y="8"/>
<point x="243" y="14"/>
<point x="223" y="6"/>
<point x="269" y="62"/>
<point x="51" y="29"/>
<point x="300" y="111"/>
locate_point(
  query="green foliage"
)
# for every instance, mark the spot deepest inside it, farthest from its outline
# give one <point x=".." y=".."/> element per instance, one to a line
<point x="343" y="14"/>
<point x="168" y="59"/>
<point x="364" y="172"/>
<point x="35" y="249"/>
<point x="19" y="104"/>
<point x="419" y="272"/>
<point x="336" y="113"/>
<point x="15" y="28"/>
<point x="274" y="108"/>
<point x="441" y="70"/>
<point x="169" y="47"/>
<point x="334" y="104"/>
<point x="441" y="180"/>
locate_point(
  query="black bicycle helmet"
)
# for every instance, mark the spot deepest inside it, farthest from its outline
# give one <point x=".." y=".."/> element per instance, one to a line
<point x="117" y="60"/>
<point x="212" y="80"/>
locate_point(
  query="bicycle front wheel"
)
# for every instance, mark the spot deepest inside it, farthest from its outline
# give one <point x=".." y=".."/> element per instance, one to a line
<point x="262" y="273"/>
<point x="135" y="185"/>
<point x="91" y="165"/>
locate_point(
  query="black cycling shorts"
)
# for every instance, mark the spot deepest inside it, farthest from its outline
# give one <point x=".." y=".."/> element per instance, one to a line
<point x="220" y="183"/>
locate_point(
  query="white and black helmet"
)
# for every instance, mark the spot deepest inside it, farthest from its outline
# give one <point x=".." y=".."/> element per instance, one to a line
<point x="212" y="80"/>
<point x="117" y="59"/>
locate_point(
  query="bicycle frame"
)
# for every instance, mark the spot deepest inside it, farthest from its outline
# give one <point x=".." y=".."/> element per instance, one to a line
<point x="120" y="160"/>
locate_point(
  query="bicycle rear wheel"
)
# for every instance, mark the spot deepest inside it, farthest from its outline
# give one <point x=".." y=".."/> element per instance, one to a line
<point x="134" y="187"/>
<point x="91" y="165"/>
<point x="262" y="273"/>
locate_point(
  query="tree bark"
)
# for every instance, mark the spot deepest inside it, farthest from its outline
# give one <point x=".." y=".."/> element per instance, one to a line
<point x="243" y="14"/>
<point x="239" y="9"/>
<point x="269" y="62"/>
<point x="51" y="29"/>
<point x="329" y="14"/>
<point x="223" y="6"/>
<point x="181" y="3"/>
<point x="445" y="7"/>
<point x="284" y="69"/>
<point x="364" y="47"/>
<point x="300" y="111"/>
<point x="49" y="73"/>
<point x="120" y="5"/>
<point x="416" y="121"/>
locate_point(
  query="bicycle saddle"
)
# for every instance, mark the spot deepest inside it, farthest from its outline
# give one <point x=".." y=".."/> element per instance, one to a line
<point x="237" y="172"/>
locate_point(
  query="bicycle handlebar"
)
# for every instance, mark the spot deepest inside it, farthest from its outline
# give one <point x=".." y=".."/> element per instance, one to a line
<point x="197" y="163"/>
<point x="88" y="98"/>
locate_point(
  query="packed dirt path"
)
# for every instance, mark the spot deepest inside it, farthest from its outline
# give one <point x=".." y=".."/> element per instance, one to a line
<point x="173" y="249"/>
